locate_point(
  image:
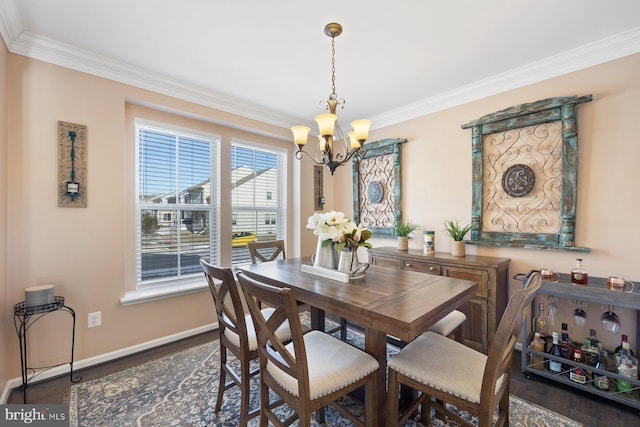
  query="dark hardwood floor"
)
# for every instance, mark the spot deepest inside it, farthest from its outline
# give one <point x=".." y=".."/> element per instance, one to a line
<point x="585" y="408"/>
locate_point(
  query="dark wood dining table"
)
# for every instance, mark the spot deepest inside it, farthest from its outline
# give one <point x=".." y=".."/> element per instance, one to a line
<point x="400" y="303"/>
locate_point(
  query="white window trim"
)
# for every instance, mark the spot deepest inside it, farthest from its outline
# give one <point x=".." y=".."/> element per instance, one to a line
<point x="154" y="289"/>
<point x="166" y="290"/>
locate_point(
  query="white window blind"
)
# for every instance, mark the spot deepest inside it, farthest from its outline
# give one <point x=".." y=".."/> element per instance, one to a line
<point x="258" y="197"/>
<point x="176" y="203"/>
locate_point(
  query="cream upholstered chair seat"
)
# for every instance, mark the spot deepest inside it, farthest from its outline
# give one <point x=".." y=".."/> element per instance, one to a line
<point x="444" y="364"/>
<point x="311" y="371"/>
<point x="283" y="331"/>
<point x="443" y="371"/>
<point x="347" y="365"/>
<point x="449" y="323"/>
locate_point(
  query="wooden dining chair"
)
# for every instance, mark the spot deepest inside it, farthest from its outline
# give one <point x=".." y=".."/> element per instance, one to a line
<point x="266" y="251"/>
<point x="271" y="250"/>
<point x="237" y="336"/>
<point x="310" y="372"/>
<point x="449" y="372"/>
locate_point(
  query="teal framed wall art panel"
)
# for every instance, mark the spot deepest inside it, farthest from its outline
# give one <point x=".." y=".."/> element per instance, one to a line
<point x="377" y="186"/>
<point x="524" y="171"/>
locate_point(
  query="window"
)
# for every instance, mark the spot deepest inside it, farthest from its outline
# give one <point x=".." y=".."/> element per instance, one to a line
<point x="269" y="218"/>
<point x="176" y="203"/>
<point x="256" y="172"/>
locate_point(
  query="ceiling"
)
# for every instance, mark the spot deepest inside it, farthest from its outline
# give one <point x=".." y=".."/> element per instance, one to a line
<point x="270" y="60"/>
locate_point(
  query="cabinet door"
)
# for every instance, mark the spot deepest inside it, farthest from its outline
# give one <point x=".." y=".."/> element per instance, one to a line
<point x="475" y="329"/>
<point x="479" y="276"/>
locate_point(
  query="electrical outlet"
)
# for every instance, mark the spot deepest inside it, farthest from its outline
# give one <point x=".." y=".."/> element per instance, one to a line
<point x="95" y="319"/>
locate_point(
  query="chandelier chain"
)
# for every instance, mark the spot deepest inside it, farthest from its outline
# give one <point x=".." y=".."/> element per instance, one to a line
<point x="333" y="68"/>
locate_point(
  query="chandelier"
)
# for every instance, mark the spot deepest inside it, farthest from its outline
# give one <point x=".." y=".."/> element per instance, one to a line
<point x="335" y="149"/>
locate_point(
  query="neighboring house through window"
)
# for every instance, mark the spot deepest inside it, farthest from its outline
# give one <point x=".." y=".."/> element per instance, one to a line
<point x="178" y="209"/>
<point x="176" y="205"/>
<point x="258" y="196"/>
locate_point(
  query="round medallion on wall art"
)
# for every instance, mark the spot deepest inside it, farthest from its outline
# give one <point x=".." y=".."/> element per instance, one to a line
<point x="375" y="192"/>
<point x="518" y="180"/>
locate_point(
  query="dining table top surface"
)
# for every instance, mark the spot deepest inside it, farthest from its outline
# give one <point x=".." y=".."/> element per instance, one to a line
<point x="397" y="302"/>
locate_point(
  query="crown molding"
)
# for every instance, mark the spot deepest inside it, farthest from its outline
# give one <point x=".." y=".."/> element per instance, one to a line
<point x="47" y="50"/>
<point x="604" y="50"/>
<point x="64" y="55"/>
<point x="10" y="22"/>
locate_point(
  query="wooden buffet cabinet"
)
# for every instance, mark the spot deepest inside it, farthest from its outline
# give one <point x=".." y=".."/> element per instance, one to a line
<point x="485" y="309"/>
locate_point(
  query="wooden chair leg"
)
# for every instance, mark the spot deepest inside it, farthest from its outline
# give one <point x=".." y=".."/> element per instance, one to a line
<point x="264" y="405"/>
<point x="392" y="399"/>
<point x="370" y="408"/>
<point x="245" y="390"/>
<point x="223" y="379"/>
<point x="320" y="415"/>
<point x="343" y="329"/>
<point x="425" y="411"/>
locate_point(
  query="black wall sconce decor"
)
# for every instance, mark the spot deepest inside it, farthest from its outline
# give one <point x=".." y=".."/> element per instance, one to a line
<point x="72" y="165"/>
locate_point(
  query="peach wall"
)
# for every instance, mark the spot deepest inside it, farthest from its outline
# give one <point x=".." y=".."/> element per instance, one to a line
<point x="85" y="252"/>
<point x="4" y="328"/>
<point x="437" y="176"/>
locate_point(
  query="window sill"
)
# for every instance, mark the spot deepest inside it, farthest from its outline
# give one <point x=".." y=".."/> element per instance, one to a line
<point x="140" y="296"/>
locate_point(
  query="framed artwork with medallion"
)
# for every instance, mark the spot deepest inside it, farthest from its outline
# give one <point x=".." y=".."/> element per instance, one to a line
<point x="525" y="166"/>
<point x="377" y="186"/>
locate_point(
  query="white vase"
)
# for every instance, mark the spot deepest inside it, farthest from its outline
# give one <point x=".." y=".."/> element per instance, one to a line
<point x="458" y="248"/>
<point x="325" y="256"/>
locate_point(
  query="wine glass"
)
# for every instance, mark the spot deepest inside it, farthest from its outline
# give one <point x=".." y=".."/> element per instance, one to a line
<point x="610" y="321"/>
<point x="579" y="315"/>
<point x="552" y="311"/>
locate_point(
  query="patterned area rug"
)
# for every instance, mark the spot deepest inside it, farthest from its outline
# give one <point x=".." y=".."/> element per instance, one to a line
<point x="180" y="390"/>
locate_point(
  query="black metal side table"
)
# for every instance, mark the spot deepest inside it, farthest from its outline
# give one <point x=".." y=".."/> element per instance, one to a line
<point x="23" y="318"/>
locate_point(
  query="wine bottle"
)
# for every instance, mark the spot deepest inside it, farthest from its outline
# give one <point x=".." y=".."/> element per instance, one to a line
<point x="555" y="366"/>
<point x="626" y="366"/>
<point x="541" y="325"/>
<point x="618" y="348"/>
<point x="601" y="381"/>
<point x="537" y="361"/>
<point x="577" y="373"/>
<point x="579" y="276"/>
<point x="566" y="346"/>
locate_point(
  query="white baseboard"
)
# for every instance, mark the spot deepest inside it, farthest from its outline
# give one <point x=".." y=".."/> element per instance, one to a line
<point x="102" y="358"/>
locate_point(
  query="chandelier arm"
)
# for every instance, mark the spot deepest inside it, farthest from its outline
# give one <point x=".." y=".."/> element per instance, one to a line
<point x="322" y="161"/>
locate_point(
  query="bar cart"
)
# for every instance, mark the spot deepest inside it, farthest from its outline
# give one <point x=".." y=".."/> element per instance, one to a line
<point x="596" y="292"/>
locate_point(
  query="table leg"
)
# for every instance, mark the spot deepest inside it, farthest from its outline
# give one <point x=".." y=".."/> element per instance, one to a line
<point x="317" y="319"/>
<point x="375" y="343"/>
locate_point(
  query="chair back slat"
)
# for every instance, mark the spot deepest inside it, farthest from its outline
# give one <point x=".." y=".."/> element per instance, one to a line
<point x="228" y="301"/>
<point x="266" y="251"/>
<point x="270" y="346"/>
<point x="501" y="349"/>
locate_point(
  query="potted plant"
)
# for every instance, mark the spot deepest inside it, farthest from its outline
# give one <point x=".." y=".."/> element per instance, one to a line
<point x="457" y="232"/>
<point x="403" y="230"/>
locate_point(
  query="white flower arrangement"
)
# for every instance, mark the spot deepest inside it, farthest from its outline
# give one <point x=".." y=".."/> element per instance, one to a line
<point x="335" y="227"/>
